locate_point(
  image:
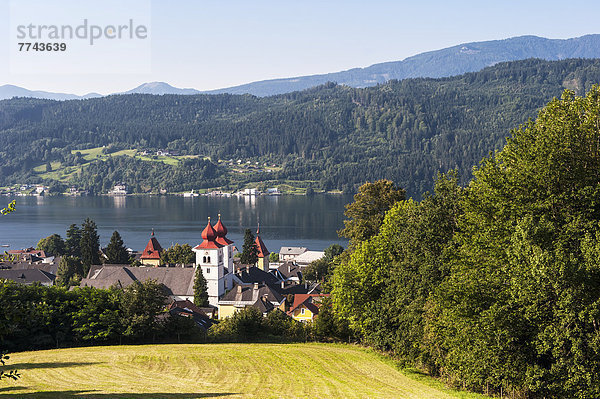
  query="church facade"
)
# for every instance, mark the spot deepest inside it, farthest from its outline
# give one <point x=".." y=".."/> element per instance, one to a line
<point x="215" y="256"/>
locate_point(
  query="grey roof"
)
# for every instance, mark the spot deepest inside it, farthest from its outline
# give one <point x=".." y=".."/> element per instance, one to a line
<point x="292" y="250"/>
<point x="51" y="268"/>
<point x="263" y="305"/>
<point x="248" y="294"/>
<point x="179" y="281"/>
<point x="200" y="319"/>
<point x="248" y="275"/>
<point x="27" y="276"/>
<point x="314" y="288"/>
<point x="289" y="270"/>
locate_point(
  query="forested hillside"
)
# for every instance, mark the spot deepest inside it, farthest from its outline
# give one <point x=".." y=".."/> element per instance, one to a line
<point x="332" y="137"/>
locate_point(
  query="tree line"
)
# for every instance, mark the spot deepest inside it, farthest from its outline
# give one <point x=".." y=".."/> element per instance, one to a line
<point x="493" y="286"/>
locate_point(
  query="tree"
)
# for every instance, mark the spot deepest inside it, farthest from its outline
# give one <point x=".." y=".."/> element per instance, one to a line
<point x="70" y="271"/>
<point x="73" y="241"/>
<point x="249" y="249"/>
<point x="140" y="305"/>
<point x="7" y="374"/>
<point x="10" y="208"/>
<point x="519" y="310"/>
<point x="116" y="251"/>
<point x="317" y="270"/>
<point x="89" y="245"/>
<point x="10" y="374"/>
<point x="332" y="251"/>
<point x="200" y="289"/>
<point x="273" y="257"/>
<point x="48" y="167"/>
<point x="365" y="215"/>
<point x="178" y="254"/>
<point x="53" y="245"/>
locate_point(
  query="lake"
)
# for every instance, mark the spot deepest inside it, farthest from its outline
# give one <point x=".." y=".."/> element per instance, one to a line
<point x="284" y="220"/>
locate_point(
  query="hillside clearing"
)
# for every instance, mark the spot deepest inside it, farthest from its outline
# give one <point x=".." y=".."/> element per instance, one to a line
<point x="223" y="370"/>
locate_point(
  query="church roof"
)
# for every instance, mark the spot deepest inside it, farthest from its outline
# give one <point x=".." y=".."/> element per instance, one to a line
<point x="153" y="249"/>
<point x="221" y="232"/>
<point x="209" y="236"/>
<point x="263" y="252"/>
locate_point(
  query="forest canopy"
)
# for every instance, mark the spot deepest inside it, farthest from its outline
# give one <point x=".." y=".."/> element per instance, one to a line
<point x="494" y="287"/>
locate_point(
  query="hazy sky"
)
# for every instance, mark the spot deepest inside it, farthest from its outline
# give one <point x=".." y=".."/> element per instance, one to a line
<point x="214" y="44"/>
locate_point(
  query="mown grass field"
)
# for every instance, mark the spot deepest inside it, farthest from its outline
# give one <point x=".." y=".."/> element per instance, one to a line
<point x="215" y="371"/>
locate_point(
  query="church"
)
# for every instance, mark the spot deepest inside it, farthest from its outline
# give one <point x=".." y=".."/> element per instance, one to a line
<point x="215" y="256"/>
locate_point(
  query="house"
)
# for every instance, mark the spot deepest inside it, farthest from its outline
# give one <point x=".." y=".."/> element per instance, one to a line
<point x="30" y="255"/>
<point x="289" y="272"/>
<point x="178" y="281"/>
<point x="263" y="252"/>
<point x="118" y="189"/>
<point x="306" y="258"/>
<point x="189" y="309"/>
<point x="245" y="295"/>
<point x="246" y="274"/>
<point x="152" y="252"/>
<point x="215" y="256"/>
<point x="290" y="253"/>
<point x="305" y="307"/>
<point x="28" y="251"/>
<point x="51" y="268"/>
<point x="28" y="276"/>
<point x="187" y="304"/>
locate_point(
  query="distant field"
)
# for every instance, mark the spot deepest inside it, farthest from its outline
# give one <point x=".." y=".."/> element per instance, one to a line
<point x="212" y="371"/>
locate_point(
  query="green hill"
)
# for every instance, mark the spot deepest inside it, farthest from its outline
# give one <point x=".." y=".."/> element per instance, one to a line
<point x="224" y="370"/>
<point x="329" y="137"/>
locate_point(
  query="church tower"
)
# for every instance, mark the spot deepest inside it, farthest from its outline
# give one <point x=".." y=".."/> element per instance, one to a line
<point x="152" y="252"/>
<point x="209" y="256"/>
<point x="263" y="252"/>
<point x="221" y="232"/>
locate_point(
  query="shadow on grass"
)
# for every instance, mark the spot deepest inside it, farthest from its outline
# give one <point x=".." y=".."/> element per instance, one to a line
<point x="7" y="389"/>
<point x="92" y="395"/>
<point x="53" y="365"/>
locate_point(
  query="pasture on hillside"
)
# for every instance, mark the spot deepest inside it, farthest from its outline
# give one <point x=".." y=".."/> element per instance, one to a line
<point x="214" y="371"/>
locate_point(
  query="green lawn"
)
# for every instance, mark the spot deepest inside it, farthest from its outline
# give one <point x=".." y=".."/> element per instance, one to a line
<point x="219" y="370"/>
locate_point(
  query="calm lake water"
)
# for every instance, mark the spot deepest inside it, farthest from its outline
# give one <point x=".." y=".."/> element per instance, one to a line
<point x="284" y="221"/>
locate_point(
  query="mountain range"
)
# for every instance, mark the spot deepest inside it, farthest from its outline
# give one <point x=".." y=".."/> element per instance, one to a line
<point x="452" y="61"/>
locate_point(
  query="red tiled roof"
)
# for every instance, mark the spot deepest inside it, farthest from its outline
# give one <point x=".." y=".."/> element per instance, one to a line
<point x="221" y="232"/>
<point x="208" y="236"/>
<point x="263" y="252"/>
<point x="300" y="299"/>
<point x="28" y="251"/>
<point x="153" y="249"/>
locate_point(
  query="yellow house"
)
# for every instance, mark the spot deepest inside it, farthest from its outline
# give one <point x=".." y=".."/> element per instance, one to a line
<point x="305" y="307"/>
<point x="260" y="296"/>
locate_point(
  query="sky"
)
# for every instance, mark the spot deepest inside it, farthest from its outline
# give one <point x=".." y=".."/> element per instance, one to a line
<point x="213" y="44"/>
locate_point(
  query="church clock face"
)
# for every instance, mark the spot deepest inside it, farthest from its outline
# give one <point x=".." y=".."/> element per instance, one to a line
<point x="205" y="252"/>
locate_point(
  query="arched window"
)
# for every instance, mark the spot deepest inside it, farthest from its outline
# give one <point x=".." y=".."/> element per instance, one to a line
<point x="204" y="259"/>
<point x="208" y="259"/>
